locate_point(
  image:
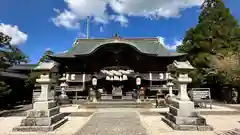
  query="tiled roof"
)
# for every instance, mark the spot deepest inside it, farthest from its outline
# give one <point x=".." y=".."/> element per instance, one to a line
<point x="12" y="75"/>
<point x="45" y="66"/>
<point x="143" y="45"/>
<point x="23" y="67"/>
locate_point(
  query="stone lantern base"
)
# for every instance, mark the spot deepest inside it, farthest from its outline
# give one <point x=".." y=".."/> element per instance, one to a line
<point x="183" y="116"/>
<point x="45" y="116"/>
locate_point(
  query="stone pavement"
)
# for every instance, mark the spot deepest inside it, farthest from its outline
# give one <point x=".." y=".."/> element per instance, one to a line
<point x="129" y="121"/>
<point x="112" y="123"/>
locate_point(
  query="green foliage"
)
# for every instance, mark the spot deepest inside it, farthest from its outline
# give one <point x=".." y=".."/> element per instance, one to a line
<point x="45" y="57"/>
<point x="216" y="34"/>
<point x="9" y="55"/>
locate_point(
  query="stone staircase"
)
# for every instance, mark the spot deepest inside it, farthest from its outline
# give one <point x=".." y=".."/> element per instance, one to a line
<point x="117" y="104"/>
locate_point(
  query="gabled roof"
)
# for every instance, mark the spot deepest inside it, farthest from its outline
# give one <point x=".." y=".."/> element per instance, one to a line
<point x="149" y="46"/>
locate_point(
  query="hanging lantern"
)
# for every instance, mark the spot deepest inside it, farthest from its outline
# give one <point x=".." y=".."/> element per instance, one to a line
<point x="116" y="78"/>
<point x="94" y="81"/>
<point x="138" y="81"/>
<point x="120" y="78"/>
<point x="72" y="76"/>
<point x="124" y="77"/>
<point x="108" y="78"/>
<point x="161" y="76"/>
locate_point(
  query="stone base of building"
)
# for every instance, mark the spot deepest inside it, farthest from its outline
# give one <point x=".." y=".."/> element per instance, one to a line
<point x="45" y="116"/>
<point x="183" y="116"/>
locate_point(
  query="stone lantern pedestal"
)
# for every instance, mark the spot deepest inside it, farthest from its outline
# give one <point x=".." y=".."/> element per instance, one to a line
<point x="182" y="114"/>
<point x="45" y="115"/>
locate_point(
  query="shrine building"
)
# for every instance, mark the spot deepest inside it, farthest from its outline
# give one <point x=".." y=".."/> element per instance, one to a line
<point x="114" y="64"/>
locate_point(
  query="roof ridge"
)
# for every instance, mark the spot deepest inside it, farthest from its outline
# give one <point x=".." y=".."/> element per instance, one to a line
<point x="126" y="38"/>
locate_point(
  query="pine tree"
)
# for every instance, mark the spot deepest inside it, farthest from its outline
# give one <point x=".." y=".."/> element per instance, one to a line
<point x="45" y="57"/>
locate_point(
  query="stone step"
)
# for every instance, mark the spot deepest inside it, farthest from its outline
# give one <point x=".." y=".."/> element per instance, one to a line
<point x="177" y="112"/>
<point x="117" y="104"/>
<point x="42" y="121"/>
<point x="186" y="120"/>
<point x="40" y="128"/>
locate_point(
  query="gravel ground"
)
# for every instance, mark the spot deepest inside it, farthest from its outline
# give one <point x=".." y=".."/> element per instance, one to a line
<point x="114" y="123"/>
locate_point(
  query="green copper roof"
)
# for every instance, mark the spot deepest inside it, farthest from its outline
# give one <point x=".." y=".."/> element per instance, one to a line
<point x="149" y="46"/>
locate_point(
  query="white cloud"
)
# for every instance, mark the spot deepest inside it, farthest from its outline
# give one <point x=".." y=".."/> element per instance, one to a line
<point x="121" y="19"/>
<point x="168" y="46"/>
<point x="101" y="29"/>
<point x="66" y="19"/>
<point x="48" y="49"/>
<point x="82" y="35"/>
<point x="18" y="37"/>
<point x="97" y="9"/>
<point x="153" y="8"/>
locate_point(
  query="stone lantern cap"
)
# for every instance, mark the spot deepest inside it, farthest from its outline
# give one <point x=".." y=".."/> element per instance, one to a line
<point x="46" y="66"/>
<point x="183" y="65"/>
<point x="170" y="84"/>
<point x="180" y="66"/>
<point x="63" y="84"/>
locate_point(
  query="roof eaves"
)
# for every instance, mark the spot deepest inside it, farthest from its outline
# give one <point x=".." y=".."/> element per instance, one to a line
<point x="13" y="75"/>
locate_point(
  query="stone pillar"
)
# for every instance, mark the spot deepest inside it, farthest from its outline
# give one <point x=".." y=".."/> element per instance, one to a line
<point x="45" y="115"/>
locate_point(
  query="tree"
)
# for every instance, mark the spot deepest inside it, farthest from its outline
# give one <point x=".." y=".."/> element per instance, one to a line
<point x="9" y="55"/>
<point x="216" y="34"/>
<point x="45" y="57"/>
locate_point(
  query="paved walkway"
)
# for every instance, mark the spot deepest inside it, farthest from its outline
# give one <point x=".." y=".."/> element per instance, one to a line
<point x="114" y="123"/>
<point x="126" y="121"/>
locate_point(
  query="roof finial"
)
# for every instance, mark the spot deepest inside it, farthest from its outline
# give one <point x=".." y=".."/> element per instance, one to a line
<point x="116" y="35"/>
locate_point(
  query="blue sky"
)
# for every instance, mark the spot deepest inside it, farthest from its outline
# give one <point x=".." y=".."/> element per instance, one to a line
<point x="37" y="25"/>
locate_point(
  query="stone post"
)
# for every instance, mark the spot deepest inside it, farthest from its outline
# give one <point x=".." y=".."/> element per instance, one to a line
<point x="45" y="115"/>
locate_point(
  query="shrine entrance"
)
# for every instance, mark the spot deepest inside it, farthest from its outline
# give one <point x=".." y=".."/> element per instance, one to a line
<point x="118" y="83"/>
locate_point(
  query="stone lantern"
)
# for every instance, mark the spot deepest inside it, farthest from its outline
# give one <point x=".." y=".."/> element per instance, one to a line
<point x="63" y="98"/>
<point x="138" y="83"/>
<point x="45" y="115"/>
<point x="92" y="92"/>
<point x="182" y="114"/>
<point x="170" y="86"/>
